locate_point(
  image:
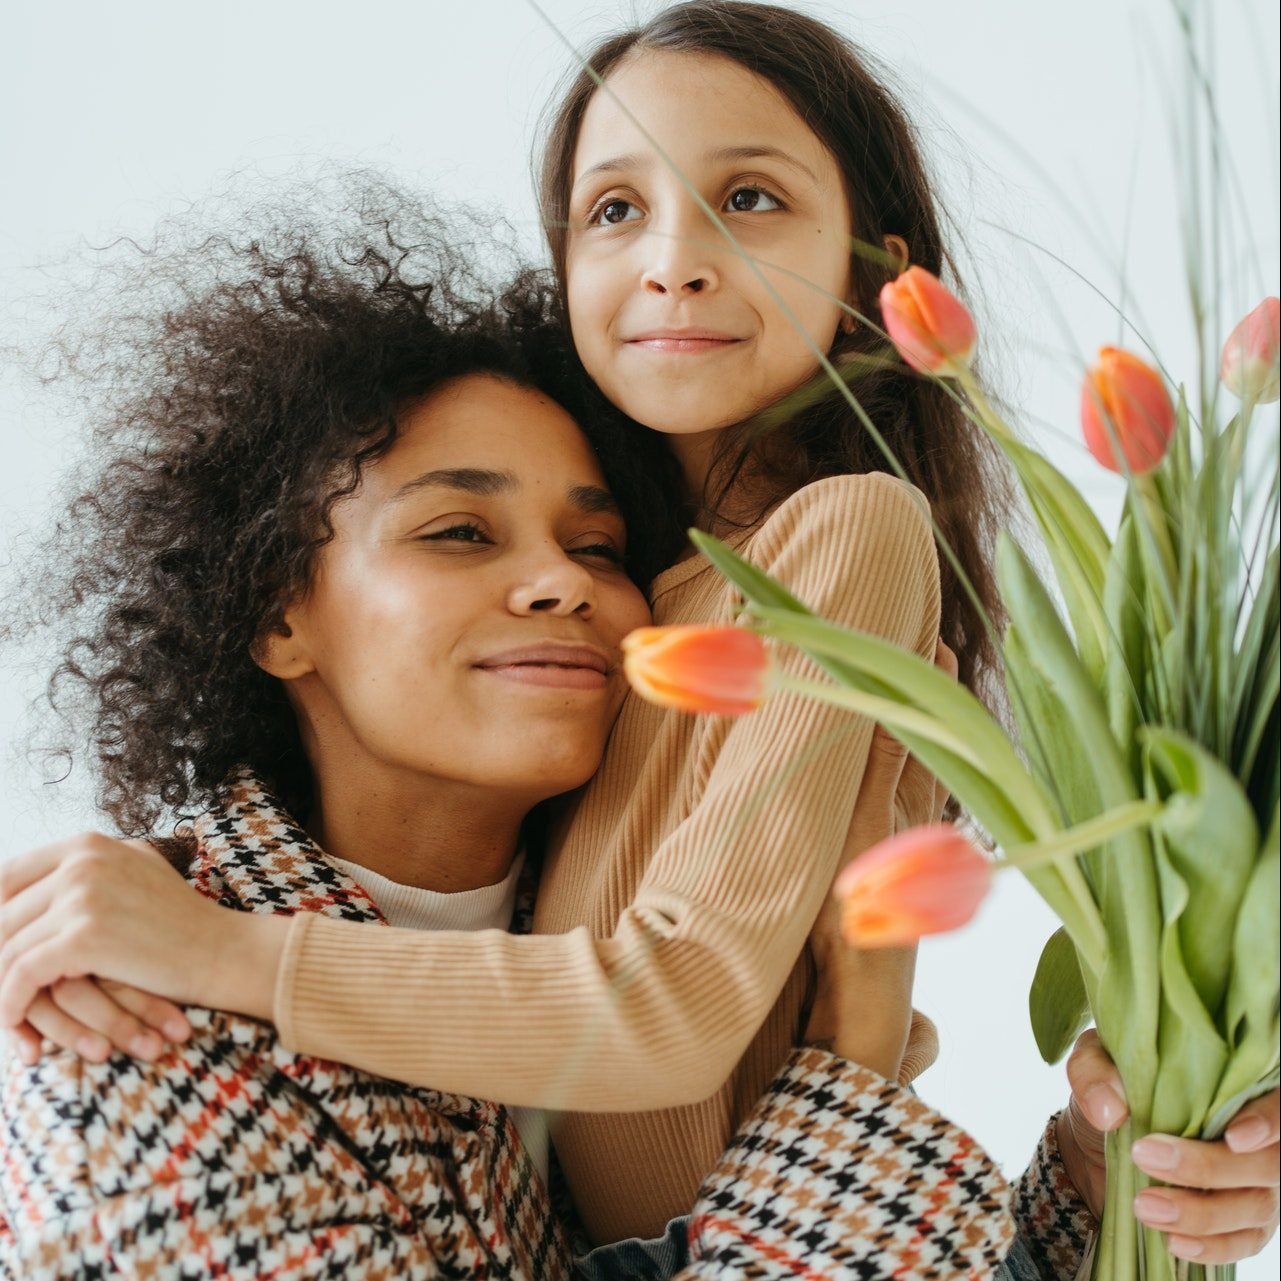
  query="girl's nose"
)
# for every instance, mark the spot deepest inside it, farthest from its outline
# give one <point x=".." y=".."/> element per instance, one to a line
<point x="554" y="585"/>
<point x="680" y="261"/>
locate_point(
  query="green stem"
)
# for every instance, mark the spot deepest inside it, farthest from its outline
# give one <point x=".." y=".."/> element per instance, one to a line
<point x="1084" y="836"/>
<point x="883" y="710"/>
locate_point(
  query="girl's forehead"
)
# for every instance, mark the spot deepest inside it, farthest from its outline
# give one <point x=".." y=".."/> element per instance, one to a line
<point x="698" y="103"/>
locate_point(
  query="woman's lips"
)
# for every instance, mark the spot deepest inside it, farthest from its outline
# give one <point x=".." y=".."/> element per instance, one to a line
<point x="551" y="675"/>
<point x="552" y="666"/>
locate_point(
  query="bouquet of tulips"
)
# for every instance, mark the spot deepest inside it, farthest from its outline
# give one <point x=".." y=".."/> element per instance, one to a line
<point x="1141" y="796"/>
<point x="1141" y="799"/>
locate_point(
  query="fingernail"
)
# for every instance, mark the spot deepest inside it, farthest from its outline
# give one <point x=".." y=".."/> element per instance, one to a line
<point x="145" y="1046"/>
<point x="1105" y="1107"/>
<point x="177" y="1029"/>
<point x="1153" y="1208"/>
<point x="1185" y="1247"/>
<point x="1247" y="1134"/>
<point x="1155" y="1152"/>
<point x="92" y="1047"/>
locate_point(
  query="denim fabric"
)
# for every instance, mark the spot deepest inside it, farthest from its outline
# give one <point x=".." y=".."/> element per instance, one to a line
<point x="637" y="1260"/>
<point x="663" y="1257"/>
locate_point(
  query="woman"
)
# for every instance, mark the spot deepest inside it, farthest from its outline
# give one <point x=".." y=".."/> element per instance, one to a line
<point x="342" y="538"/>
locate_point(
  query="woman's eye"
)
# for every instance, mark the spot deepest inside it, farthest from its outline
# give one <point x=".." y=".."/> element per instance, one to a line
<point x="599" y="551"/>
<point x="613" y="212"/>
<point x="457" y="534"/>
<point x="751" y="200"/>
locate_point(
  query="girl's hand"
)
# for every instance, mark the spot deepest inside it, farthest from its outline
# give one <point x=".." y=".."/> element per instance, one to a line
<point x="1220" y="1205"/>
<point x="117" y="910"/>
<point x="94" y="1018"/>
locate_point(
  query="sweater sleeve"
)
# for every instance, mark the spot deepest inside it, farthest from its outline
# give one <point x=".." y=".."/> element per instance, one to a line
<point x="658" y="1014"/>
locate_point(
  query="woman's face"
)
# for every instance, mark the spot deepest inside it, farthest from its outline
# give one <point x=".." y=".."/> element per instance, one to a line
<point x="674" y="325"/>
<point x="464" y="622"/>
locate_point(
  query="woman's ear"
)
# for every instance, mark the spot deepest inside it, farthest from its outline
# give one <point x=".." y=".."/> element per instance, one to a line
<point x="896" y="247"/>
<point x="281" y="649"/>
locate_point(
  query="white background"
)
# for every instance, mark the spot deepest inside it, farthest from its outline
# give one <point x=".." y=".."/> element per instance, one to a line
<point x="1049" y="121"/>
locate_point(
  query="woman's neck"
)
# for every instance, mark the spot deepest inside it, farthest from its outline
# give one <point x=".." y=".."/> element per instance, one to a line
<point x="437" y="836"/>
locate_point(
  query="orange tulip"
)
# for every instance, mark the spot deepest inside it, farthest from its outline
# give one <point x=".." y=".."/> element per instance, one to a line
<point x="927" y="880"/>
<point x="698" y="669"/>
<point x="1251" y="363"/>
<point x="928" y="324"/>
<point x="1124" y="401"/>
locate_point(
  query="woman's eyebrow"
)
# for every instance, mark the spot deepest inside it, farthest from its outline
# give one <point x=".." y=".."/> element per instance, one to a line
<point x="468" y="480"/>
<point x="592" y="498"/>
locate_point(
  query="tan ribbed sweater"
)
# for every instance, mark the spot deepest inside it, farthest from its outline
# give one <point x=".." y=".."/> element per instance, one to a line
<point x="665" y="973"/>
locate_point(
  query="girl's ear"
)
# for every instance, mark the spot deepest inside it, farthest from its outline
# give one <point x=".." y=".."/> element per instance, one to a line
<point x="281" y="651"/>
<point x="896" y="247"/>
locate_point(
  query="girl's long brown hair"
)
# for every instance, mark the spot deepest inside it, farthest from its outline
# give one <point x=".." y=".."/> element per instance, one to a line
<point x="833" y="89"/>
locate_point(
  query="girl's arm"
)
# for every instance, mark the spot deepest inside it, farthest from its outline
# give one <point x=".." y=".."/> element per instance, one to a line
<point x="656" y="1015"/>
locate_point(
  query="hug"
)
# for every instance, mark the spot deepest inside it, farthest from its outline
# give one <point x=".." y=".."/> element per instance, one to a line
<point x="489" y="969"/>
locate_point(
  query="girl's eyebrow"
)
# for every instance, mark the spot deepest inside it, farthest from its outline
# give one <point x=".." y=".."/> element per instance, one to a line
<point x="754" y="151"/>
<point x="758" y="152"/>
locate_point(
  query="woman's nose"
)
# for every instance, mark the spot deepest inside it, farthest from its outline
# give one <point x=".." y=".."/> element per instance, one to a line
<point x="554" y="585"/>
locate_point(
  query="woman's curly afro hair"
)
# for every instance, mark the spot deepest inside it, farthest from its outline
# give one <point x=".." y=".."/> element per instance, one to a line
<point x="239" y="383"/>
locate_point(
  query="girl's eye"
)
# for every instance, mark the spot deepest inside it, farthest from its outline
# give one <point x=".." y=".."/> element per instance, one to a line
<point x="751" y="200"/>
<point x="464" y="533"/>
<point x="613" y="212"/>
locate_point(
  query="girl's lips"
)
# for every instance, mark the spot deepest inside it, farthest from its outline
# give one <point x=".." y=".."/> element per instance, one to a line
<point x="683" y="346"/>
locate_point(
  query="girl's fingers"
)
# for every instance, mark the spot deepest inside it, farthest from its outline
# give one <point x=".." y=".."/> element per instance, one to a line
<point x="26" y="1043"/>
<point x="20" y="909"/>
<point x="1205" y="1214"/>
<point x="65" y="1031"/>
<point x="101" y="1014"/>
<point x="17" y="874"/>
<point x="158" y="1014"/>
<point x="30" y="961"/>
<point x="1195" y="1163"/>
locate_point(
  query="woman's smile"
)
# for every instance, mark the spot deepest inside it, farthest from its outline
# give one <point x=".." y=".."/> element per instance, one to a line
<point x="552" y="665"/>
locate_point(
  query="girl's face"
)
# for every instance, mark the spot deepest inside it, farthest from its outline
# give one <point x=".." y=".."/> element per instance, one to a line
<point x="672" y="324"/>
<point x="463" y="624"/>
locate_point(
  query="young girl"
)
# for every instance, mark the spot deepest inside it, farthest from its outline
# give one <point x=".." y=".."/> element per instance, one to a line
<point x="669" y="978"/>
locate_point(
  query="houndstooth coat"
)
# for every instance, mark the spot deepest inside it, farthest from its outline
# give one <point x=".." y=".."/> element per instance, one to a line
<point x="232" y="1157"/>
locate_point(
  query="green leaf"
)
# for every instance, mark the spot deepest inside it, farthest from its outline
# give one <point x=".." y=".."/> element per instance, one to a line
<point x="1192" y="1054"/>
<point x="1211" y="841"/>
<point x="878" y="666"/>
<point x="1253" y="995"/>
<point x="1127" y="1002"/>
<point x="1057" y="1000"/>
<point x="1123" y="594"/>
<point x="758" y="587"/>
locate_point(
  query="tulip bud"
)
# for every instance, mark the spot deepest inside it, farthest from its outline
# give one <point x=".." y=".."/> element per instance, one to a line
<point x="927" y="880"/>
<point x="698" y="669"/>
<point x="1250" y="366"/>
<point x="928" y="324"/>
<point x="1124" y="402"/>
